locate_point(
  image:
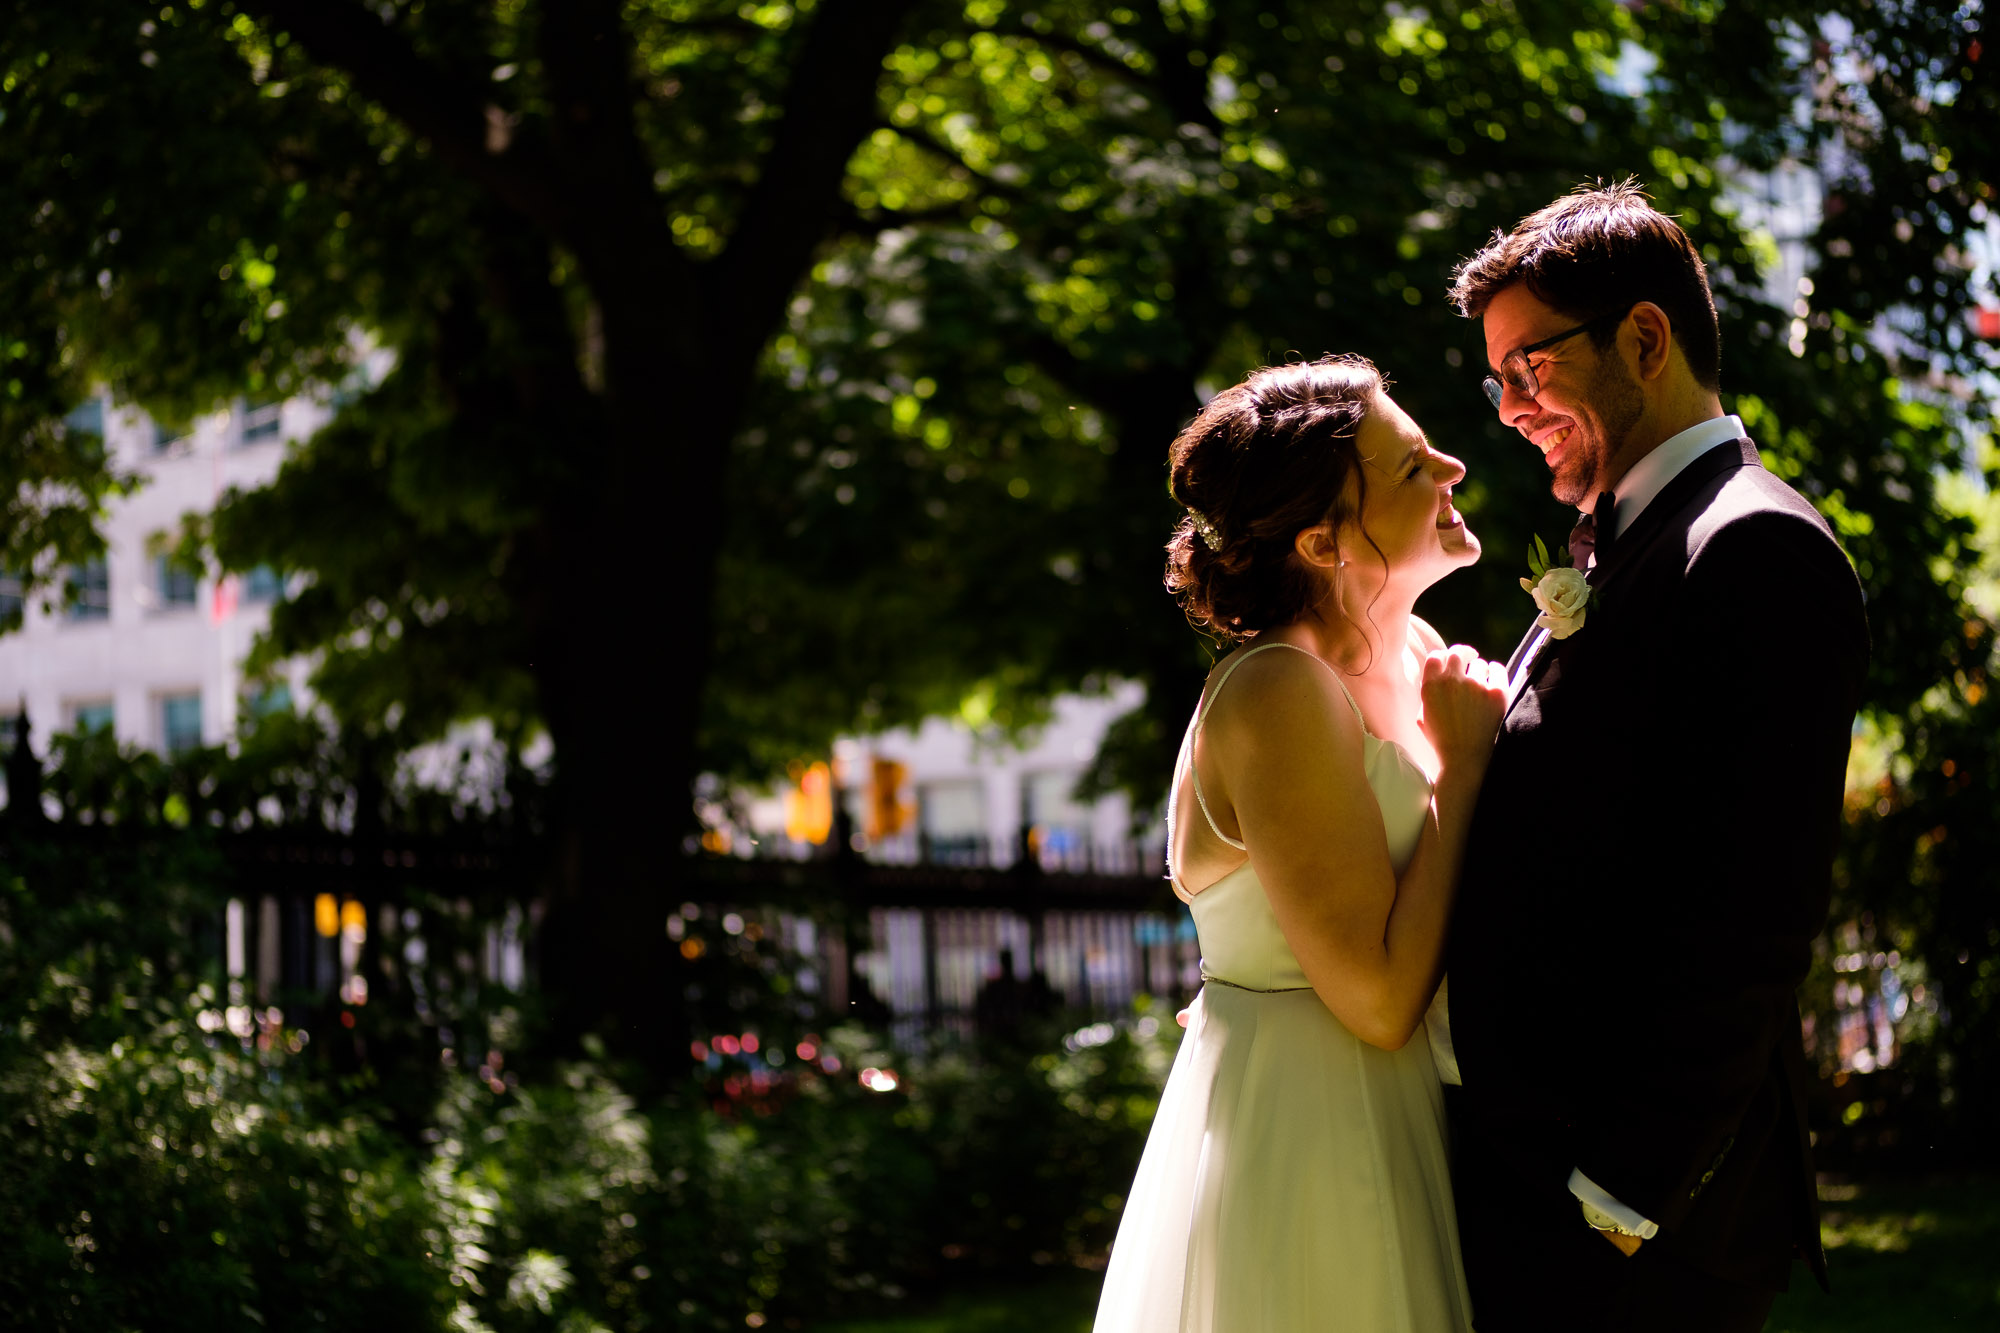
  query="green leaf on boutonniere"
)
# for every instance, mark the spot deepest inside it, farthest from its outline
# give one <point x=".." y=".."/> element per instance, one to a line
<point x="1538" y="560"/>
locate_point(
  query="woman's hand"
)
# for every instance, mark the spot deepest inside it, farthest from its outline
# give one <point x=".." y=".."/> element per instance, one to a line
<point x="1464" y="697"/>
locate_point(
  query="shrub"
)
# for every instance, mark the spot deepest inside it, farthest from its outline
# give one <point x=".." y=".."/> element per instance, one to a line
<point x="172" y="1159"/>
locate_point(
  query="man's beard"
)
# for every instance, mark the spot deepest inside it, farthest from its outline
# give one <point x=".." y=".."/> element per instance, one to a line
<point x="1614" y="404"/>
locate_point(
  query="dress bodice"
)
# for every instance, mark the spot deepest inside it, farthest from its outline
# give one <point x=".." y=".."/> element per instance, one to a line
<point x="1295" y="1179"/>
<point x="1241" y="942"/>
<point x="1240" y="939"/>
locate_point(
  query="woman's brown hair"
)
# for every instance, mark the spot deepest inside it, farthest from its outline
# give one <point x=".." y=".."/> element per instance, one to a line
<point x="1261" y="463"/>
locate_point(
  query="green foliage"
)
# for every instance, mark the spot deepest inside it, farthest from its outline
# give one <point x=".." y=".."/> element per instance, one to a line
<point x="1538" y="559"/>
<point x="1066" y="224"/>
<point x="418" y="626"/>
<point x="1922" y="841"/>
<point x="869" y="323"/>
<point x="681" y="1217"/>
<point x="175" y="1159"/>
<point x="158" y="1174"/>
<point x="172" y="1182"/>
<point x="1075" y="221"/>
<point x="840" y="1198"/>
<point x="1073" y="224"/>
<point x="1034" y="1152"/>
<point x="169" y="1182"/>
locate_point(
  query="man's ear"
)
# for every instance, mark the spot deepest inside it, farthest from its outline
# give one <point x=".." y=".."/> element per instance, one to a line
<point x="1655" y="339"/>
<point x="1318" y="546"/>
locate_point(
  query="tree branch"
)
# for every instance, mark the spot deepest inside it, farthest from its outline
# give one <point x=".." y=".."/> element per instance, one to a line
<point x="1180" y="87"/>
<point x="1094" y="57"/>
<point x="586" y="56"/>
<point x="854" y="222"/>
<point x="830" y="104"/>
<point x="1183" y="84"/>
<point x="930" y="143"/>
<point x="446" y="110"/>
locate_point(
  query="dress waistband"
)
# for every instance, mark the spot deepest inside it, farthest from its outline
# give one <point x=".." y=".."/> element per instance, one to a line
<point x="1254" y="990"/>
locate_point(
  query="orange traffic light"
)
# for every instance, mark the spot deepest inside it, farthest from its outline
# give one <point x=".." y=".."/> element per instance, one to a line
<point x="887" y="814"/>
<point x="809" y="804"/>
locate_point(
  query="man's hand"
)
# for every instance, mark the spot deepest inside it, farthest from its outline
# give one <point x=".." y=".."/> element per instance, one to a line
<point x="1606" y="1226"/>
<point x="1627" y="1245"/>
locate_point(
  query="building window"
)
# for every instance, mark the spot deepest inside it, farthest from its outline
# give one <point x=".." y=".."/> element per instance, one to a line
<point x="174" y="582"/>
<point x="1058" y="825"/>
<point x="96" y="715"/>
<point x="268" y="699"/>
<point x="262" y="421"/>
<point x="262" y="584"/>
<point x="13" y="603"/>
<point x="166" y="437"/>
<point x="951" y="817"/>
<point x="89" y="591"/>
<point x="88" y="418"/>
<point x="180" y="722"/>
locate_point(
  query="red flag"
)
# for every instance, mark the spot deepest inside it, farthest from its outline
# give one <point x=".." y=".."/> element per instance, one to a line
<point x="223" y="604"/>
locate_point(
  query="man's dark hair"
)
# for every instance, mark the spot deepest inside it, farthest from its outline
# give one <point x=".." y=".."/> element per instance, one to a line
<point x="1599" y="251"/>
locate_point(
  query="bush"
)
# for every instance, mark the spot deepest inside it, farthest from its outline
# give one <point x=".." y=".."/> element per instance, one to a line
<point x="173" y="1160"/>
<point x="575" y="1204"/>
<point x="172" y="1182"/>
<point x="1035" y="1152"/>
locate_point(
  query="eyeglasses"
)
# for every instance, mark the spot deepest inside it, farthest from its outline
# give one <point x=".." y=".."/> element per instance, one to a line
<point x="1515" y="372"/>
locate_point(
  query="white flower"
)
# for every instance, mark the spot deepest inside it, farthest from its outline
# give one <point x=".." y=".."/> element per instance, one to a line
<point x="1563" y="595"/>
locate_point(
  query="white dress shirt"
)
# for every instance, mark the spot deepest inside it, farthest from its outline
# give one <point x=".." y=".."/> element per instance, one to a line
<point x="1650" y="475"/>
<point x="1637" y="489"/>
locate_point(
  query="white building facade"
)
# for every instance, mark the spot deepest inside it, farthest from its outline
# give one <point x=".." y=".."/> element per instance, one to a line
<point x="962" y="796"/>
<point x="153" y="652"/>
<point x="146" y="648"/>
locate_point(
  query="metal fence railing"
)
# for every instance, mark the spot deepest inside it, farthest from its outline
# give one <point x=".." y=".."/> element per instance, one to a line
<point x="928" y="948"/>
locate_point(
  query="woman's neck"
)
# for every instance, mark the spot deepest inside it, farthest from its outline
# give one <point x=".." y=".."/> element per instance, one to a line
<point x="1363" y="641"/>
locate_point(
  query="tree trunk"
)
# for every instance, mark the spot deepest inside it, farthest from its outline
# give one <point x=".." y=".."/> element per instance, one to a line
<point x="617" y="581"/>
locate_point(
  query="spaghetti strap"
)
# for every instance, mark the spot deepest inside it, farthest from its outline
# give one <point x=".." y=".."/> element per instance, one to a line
<point x="1201" y="713"/>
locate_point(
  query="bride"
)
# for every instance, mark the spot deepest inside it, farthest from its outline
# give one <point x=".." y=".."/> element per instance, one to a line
<point x="1296" y="1176"/>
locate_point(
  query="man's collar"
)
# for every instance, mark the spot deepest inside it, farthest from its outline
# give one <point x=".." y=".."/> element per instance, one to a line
<point x="1650" y="475"/>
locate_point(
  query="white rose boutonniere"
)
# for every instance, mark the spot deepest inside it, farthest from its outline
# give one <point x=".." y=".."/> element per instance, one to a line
<point x="1561" y="593"/>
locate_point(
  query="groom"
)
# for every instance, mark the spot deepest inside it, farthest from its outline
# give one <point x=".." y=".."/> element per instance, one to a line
<point x="1651" y="856"/>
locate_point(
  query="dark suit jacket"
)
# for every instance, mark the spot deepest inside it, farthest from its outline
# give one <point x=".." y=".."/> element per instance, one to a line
<point x="1648" y="867"/>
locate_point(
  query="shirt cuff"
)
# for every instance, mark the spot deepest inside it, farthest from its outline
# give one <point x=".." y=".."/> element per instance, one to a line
<point x="1594" y="1194"/>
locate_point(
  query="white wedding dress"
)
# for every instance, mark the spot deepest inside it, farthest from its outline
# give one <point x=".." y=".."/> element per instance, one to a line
<point x="1295" y="1180"/>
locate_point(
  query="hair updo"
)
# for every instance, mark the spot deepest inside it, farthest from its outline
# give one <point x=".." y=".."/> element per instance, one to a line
<point x="1263" y="462"/>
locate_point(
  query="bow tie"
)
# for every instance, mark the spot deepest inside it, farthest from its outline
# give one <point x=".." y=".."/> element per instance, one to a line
<point x="1584" y="538"/>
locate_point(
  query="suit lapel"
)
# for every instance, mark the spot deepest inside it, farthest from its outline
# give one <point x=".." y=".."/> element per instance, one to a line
<point x="1521" y="666"/>
<point x="1644" y="530"/>
<point x="1670" y="501"/>
<point x="1521" y="650"/>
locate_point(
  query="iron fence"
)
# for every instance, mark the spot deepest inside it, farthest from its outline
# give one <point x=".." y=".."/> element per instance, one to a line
<point x="928" y="949"/>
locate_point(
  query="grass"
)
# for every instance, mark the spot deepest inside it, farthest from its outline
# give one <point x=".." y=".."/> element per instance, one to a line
<point x="1064" y="1301"/>
<point x="1905" y="1258"/>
